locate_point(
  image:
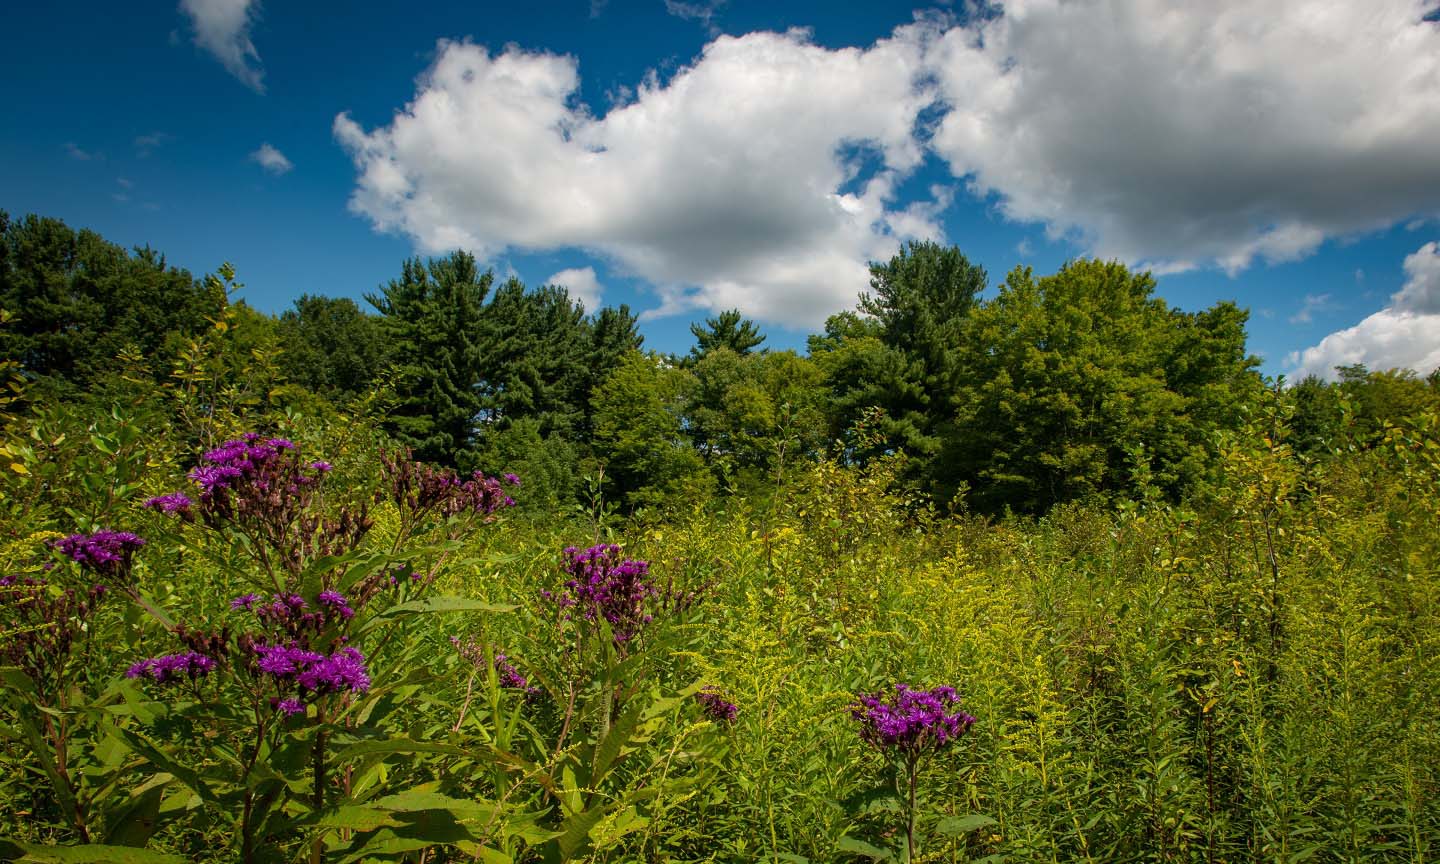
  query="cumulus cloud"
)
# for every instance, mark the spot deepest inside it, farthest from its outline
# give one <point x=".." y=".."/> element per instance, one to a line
<point x="1167" y="135"/>
<point x="1197" y="134"/>
<point x="1405" y="334"/>
<point x="582" y="285"/>
<point x="726" y="186"/>
<point x="222" y="27"/>
<point x="271" y="159"/>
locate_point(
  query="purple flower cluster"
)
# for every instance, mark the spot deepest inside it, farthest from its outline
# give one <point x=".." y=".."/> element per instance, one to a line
<point x="105" y="553"/>
<point x="291" y="615"/>
<point x="606" y="586"/>
<point x="173" y="667"/>
<point x="716" y="706"/>
<point x="336" y="603"/>
<point x="175" y="502"/>
<point x="913" y="721"/>
<point x="420" y="489"/>
<point x="312" y="671"/>
<point x="508" y="675"/>
<point x="511" y="677"/>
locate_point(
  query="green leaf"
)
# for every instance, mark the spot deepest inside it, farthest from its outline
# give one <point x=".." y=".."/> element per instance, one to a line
<point x="395" y="745"/>
<point x="92" y="854"/>
<point x="955" y="826"/>
<point x="860" y="847"/>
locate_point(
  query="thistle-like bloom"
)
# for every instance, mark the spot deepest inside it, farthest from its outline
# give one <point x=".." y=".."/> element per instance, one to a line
<point x="715" y="705"/>
<point x="335" y="602"/>
<point x="245" y="601"/>
<point x="313" y="671"/>
<point x="170" y="668"/>
<point x="289" y="707"/>
<point x="175" y="502"/>
<point x="321" y="465"/>
<point x="913" y="721"/>
<point x="105" y="553"/>
<point x="603" y="585"/>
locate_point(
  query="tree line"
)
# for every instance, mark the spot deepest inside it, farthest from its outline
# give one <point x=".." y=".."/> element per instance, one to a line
<point x="1050" y="388"/>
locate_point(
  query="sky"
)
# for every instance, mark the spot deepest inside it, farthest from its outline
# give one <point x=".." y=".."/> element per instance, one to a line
<point x="689" y="157"/>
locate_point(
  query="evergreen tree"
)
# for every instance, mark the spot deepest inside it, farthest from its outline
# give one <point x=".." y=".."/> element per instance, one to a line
<point x="431" y="322"/>
<point x="729" y="330"/>
<point x="78" y="302"/>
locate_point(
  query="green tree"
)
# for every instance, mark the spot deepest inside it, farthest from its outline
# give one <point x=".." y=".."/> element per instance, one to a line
<point x="431" y="322"/>
<point x="639" y="433"/>
<point x="533" y="349"/>
<point x="1084" y="383"/>
<point x="331" y="345"/>
<point x="729" y="330"/>
<point x="78" y="302"/>
<point x="747" y="414"/>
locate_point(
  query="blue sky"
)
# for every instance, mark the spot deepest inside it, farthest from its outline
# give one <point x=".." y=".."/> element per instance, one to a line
<point x="696" y="156"/>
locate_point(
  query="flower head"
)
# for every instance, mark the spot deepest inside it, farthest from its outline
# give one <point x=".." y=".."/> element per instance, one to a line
<point x="175" y="502"/>
<point x="715" y="705"/>
<point x="170" y="668"/>
<point x="106" y="553"/>
<point x="336" y="603"/>
<point x="606" y="586"/>
<point x="913" y="721"/>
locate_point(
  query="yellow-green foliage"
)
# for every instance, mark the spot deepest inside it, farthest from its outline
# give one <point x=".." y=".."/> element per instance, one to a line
<point x="1250" y="676"/>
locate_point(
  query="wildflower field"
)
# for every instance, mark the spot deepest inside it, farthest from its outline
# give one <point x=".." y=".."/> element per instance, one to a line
<point x="301" y="644"/>
<point x="475" y="579"/>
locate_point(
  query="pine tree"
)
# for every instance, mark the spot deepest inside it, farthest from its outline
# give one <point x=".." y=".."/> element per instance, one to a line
<point x="432" y="322"/>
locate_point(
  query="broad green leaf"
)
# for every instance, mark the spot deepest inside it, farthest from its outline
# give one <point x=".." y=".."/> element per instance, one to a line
<point x="90" y="854"/>
<point x="955" y="826"/>
<point x="860" y="847"/>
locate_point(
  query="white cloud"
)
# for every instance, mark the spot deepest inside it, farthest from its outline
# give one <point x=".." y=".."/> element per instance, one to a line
<point x="222" y="27"/>
<point x="1198" y="134"/>
<point x="1171" y="135"/>
<point x="704" y="11"/>
<point x="582" y="285"/>
<point x="722" y="186"/>
<point x="271" y="159"/>
<point x="1405" y="334"/>
<point x="76" y="153"/>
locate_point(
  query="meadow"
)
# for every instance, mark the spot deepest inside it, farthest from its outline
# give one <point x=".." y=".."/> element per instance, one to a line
<point x="1251" y="675"/>
<point x="1045" y="574"/>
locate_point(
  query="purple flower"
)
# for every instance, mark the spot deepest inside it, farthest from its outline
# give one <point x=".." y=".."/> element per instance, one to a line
<point x="290" y="707"/>
<point x="606" y="586"/>
<point x="913" y="721"/>
<point x="715" y="705"/>
<point x="170" y="668"/>
<point x="245" y="601"/>
<point x="512" y="479"/>
<point x="175" y="502"/>
<point x="510" y="676"/>
<point x="336" y="602"/>
<point x="321" y="465"/>
<point x="105" y="552"/>
<point x="311" y="670"/>
<point x="213" y="478"/>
